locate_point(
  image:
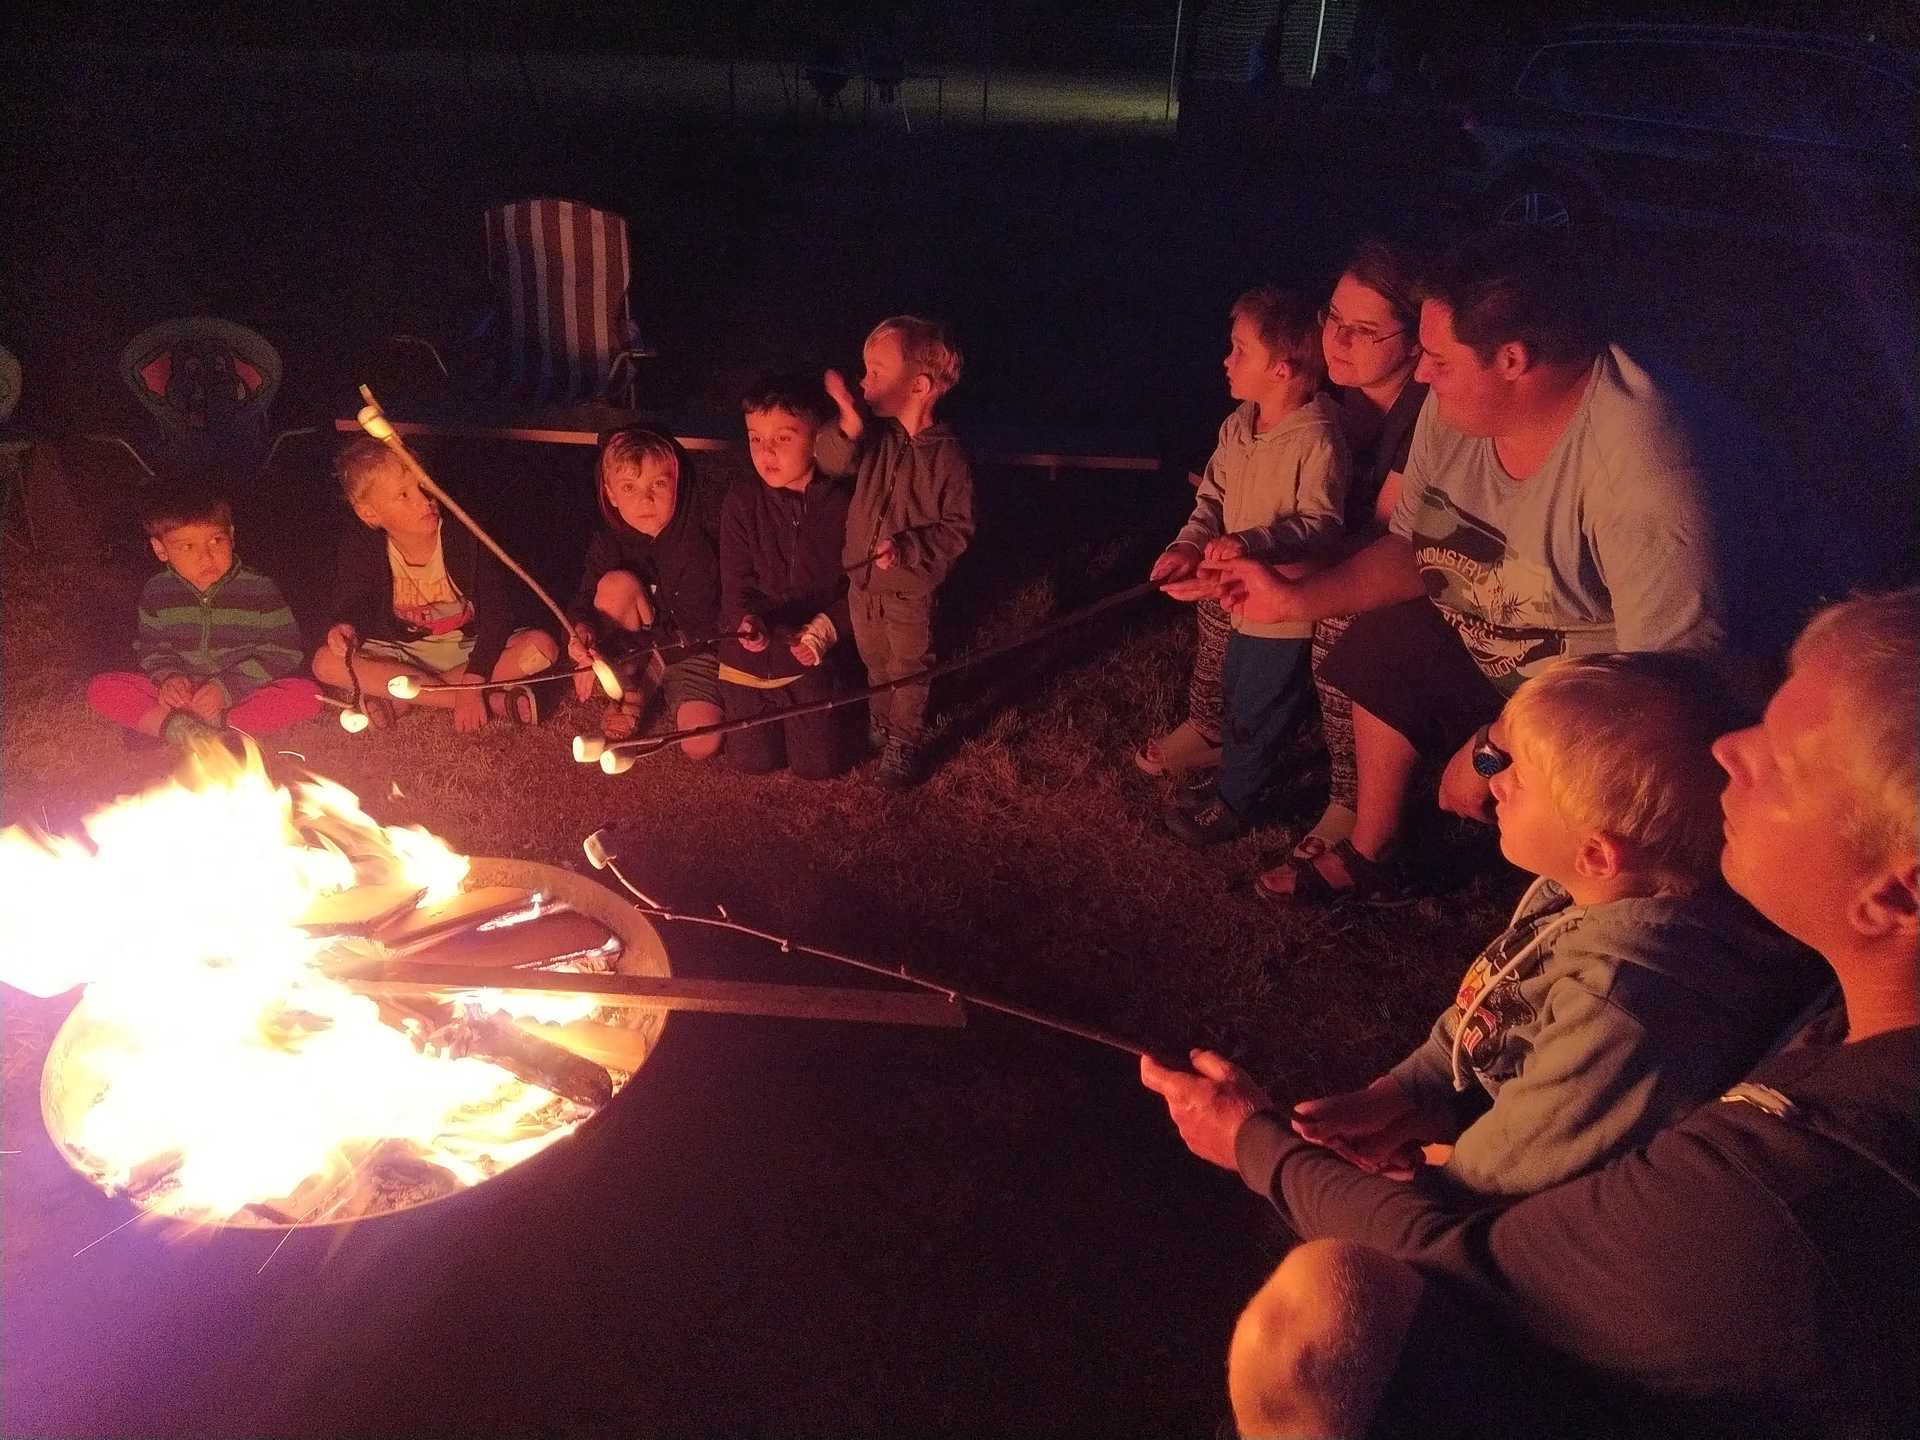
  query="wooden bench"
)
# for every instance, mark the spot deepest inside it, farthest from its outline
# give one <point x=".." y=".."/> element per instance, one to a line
<point x="1048" y="448"/>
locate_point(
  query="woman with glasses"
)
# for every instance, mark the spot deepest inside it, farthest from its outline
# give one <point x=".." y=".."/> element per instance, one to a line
<point x="1369" y="332"/>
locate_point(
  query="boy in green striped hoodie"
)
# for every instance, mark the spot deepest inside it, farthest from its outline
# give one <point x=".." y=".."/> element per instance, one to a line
<point x="217" y="646"/>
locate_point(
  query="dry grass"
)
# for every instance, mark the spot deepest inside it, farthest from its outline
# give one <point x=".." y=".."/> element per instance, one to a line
<point x="1032" y="864"/>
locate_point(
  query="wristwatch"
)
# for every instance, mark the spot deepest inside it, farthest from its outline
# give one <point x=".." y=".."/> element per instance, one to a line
<point x="1488" y="758"/>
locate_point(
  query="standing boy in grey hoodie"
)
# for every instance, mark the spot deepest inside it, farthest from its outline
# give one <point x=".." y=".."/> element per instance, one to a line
<point x="1631" y="985"/>
<point x="910" y="519"/>
<point x="1276" y="489"/>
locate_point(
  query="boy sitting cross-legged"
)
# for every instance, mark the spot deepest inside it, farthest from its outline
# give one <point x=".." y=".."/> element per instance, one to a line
<point x="421" y="599"/>
<point x="1631" y="986"/>
<point x="1276" y="488"/>
<point x="652" y="578"/>
<point x="217" y="646"/>
<point x="910" y="519"/>
<point x="783" y="594"/>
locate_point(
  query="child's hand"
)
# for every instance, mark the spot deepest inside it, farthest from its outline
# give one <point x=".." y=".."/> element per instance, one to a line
<point x="753" y="635"/>
<point x="340" y="637"/>
<point x="1224" y="547"/>
<point x="176" y="692"/>
<point x="207" y="701"/>
<point x="469" y="711"/>
<point x="1177" y="562"/>
<point x="837" y="390"/>
<point x="1378" y="1128"/>
<point x="886" y="554"/>
<point x="580" y="645"/>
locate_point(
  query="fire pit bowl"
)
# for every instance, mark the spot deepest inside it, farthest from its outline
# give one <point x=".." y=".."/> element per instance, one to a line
<point x="491" y="1121"/>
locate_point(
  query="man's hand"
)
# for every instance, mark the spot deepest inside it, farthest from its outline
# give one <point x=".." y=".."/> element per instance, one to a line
<point x="1378" y="1129"/>
<point x="207" y="701"/>
<point x="1464" y="790"/>
<point x="1224" y="547"/>
<point x="1177" y="562"/>
<point x="340" y="638"/>
<point x="1256" y="591"/>
<point x="886" y="554"/>
<point x="752" y="634"/>
<point x="175" y="692"/>
<point x="1209" y="1103"/>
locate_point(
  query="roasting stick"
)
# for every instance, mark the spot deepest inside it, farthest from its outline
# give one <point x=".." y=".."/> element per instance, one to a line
<point x="655" y="992"/>
<point x="374" y="421"/>
<point x="406" y="687"/>
<point x="601" y="858"/>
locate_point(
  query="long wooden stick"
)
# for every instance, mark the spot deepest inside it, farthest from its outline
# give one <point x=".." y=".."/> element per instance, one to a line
<point x="653" y="992"/>
<point x="374" y="421"/>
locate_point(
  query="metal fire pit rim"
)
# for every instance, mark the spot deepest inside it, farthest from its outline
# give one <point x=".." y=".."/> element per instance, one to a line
<point x="643" y="952"/>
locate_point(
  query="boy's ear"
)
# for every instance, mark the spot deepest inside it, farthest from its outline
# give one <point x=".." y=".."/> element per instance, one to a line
<point x="367" y="516"/>
<point x="1888" y="906"/>
<point x="1601" y="856"/>
<point x="159" y="550"/>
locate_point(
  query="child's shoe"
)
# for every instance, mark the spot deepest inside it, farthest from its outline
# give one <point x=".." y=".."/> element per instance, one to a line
<point x="899" y="765"/>
<point x="1212" y="824"/>
<point x="183" y="728"/>
<point x="876" y="734"/>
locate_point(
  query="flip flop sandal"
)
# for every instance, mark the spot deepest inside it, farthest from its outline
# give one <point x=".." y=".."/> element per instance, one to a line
<point x="1181" y="749"/>
<point x="517" y="705"/>
<point x="378" y="711"/>
<point x="1373" y="881"/>
<point x="1310" y="847"/>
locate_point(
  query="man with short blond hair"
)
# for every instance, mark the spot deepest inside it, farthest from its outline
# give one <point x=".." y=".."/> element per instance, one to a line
<point x="1751" y="1269"/>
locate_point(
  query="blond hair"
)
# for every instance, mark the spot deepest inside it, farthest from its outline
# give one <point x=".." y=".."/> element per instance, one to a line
<point x="926" y="347"/>
<point x="1874" y="642"/>
<point x="627" y="451"/>
<point x="361" y="461"/>
<point x="1625" y="743"/>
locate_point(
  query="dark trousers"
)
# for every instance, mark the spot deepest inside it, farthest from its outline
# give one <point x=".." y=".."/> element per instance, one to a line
<point x="1266" y="683"/>
<point x="894" y="634"/>
<point x="814" y="747"/>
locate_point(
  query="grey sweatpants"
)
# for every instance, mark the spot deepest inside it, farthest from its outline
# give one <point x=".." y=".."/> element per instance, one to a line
<point x="894" y="634"/>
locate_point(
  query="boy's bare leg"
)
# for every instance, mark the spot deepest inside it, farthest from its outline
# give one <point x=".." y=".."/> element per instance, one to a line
<point x="1316" y="1347"/>
<point x="691" y="716"/>
<point x="331" y="669"/>
<point x="528" y="652"/>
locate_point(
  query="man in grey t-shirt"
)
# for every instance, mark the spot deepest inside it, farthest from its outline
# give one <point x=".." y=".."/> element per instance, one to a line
<point x="1553" y="504"/>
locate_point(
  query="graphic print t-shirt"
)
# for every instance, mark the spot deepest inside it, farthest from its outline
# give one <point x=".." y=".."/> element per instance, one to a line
<point x="1607" y="546"/>
<point x="424" y="595"/>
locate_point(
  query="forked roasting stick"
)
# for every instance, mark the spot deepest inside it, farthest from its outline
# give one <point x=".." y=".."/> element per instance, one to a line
<point x="374" y="421"/>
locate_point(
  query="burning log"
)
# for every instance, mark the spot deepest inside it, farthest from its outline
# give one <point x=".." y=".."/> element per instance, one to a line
<point x="495" y="1038"/>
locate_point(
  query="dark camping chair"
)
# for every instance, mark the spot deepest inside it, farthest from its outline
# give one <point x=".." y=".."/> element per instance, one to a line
<point x="207" y="387"/>
<point x="561" y="330"/>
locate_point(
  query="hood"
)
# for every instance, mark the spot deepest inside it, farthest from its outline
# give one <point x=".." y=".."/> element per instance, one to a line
<point x="630" y="537"/>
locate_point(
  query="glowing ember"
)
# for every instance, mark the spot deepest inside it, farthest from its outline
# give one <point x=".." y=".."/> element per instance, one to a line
<point x="214" y="1070"/>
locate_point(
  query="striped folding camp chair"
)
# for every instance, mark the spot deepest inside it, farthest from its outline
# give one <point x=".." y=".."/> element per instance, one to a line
<point x="561" y="272"/>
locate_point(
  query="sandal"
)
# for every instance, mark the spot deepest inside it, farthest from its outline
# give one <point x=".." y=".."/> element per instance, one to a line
<point x="378" y="710"/>
<point x="516" y="704"/>
<point x="1181" y="749"/>
<point x="620" y="719"/>
<point x="1373" y="881"/>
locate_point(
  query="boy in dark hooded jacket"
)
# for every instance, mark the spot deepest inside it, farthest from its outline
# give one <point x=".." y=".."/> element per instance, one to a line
<point x="651" y="586"/>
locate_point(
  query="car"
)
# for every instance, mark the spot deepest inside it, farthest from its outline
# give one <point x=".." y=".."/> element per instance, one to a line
<point x="1768" y="133"/>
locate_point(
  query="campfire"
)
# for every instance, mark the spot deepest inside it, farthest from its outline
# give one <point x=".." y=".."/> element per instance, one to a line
<point x="231" y="1060"/>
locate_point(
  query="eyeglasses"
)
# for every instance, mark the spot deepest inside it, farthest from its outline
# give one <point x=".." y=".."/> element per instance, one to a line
<point x="1488" y="758"/>
<point x="1349" y="334"/>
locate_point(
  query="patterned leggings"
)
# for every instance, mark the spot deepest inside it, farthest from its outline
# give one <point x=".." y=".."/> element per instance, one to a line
<point x="1336" y="719"/>
<point x="1206" y="698"/>
<point x="1206" y="692"/>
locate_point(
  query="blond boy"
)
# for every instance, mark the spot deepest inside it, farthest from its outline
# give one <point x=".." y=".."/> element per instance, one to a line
<point x="422" y="600"/>
<point x="910" y="519"/>
<point x="1631" y="984"/>
<point x="1275" y="488"/>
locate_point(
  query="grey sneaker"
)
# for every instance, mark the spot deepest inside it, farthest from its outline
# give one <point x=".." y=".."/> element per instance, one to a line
<point x="876" y="734"/>
<point x="1212" y="824"/>
<point x="1192" y="791"/>
<point x="183" y="727"/>
<point x="899" y="765"/>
